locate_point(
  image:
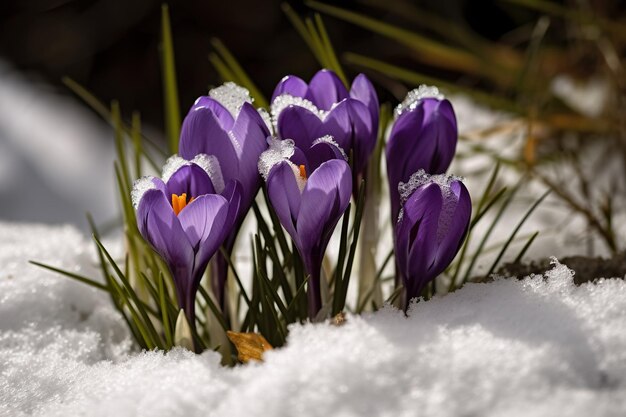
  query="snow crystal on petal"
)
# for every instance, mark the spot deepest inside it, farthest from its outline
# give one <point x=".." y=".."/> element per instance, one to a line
<point x="283" y="101"/>
<point x="267" y="119"/>
<point x="172" y="165"/>
<point x="331" y="140"/>
<point x="450" y="199"/>
<point x="140" y="187"/>
<point x="414" y="97"/>
<point x="278" y="151"/>
<point x="211" y="165"/>
<point x="231" y="96"/>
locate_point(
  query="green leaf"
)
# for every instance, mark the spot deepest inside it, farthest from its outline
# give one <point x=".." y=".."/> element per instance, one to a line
<point x="415" y="78"/>
<point x="170" y="89"/>
<point x="72" y="275"/>
<point x="428" y="50"/>
<point x="517" y="228"/>
<point x="522" y="252"/>
<point x="240" y="76"/>
<point x="343" y="287"/>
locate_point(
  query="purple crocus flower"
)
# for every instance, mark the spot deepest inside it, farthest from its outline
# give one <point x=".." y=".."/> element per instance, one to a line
<point x="423" y="136"/>
<point x="186" y="216"/>
<point x="432" y="226"/>
<point x="226" y="125"/>
<point x="308" y="196"/>
<point x="305" y="112"/>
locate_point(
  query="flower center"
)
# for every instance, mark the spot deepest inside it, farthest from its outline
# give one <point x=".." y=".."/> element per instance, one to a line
<point x="302" y="171"/>
<point x="179" y="202"/>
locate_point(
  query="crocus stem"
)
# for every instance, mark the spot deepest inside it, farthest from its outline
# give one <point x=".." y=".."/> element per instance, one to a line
<point x="219" y="270"/>
<point x="219" y="274"/>
<point x="314" y="290"/>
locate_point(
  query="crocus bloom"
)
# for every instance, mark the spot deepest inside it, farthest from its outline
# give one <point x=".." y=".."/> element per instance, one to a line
<point x="433" y="224"/>
<point x="185" y="217"/>
<point x="308" y="197"/>
<point x="226" y="125"/>
<point x="423" y="136"/>
<point x="305" y="112"/>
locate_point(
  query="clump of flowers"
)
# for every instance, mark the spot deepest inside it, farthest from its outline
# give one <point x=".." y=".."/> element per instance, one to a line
<point x="310" y="153"/>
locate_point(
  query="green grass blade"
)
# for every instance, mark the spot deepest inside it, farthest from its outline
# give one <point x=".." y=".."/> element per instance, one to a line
<point x="522" y="252"/>
<point x="415" y="78"/>
<point x="379" y="274"/>
<point x="72" y="275"/>
<point x="165" y="317"/>
<point x="487" y="234"/>
<point x="429" y="51"/>
<point x="348" y="271"/>
<point x="138" y="304"/>
<point x="242" y="77"/>
<point x="333" y="62"/>
<point x="135" y="134"/>
<point x="517" y="228"/>
<point x="170" y="89"/>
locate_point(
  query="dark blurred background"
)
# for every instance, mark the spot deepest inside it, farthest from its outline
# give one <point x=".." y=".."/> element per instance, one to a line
<point x="111" y="46"/>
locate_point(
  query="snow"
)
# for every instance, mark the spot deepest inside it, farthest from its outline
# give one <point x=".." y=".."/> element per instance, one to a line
<point x="533" y="347"/>
<point x="52" y="150"/>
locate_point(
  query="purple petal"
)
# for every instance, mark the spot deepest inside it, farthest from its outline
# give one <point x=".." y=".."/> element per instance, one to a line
<point x="285" y="196"/>
<point x="324" y="199"/>
<point x="203" y="222"/>
<point x="292" y="85"/>
<point x="363" y="90"/>
<point x="251" y="133"/>
<point x="321" y="152"/>
<point x="299" y="158"/>
<point x="233" y="194"/>
<point x="221" y="113"/>
<point x="299" y="124"/>
<point x="189" y="179"/>
<point x="457" y="228"/>
<point x="159" y="225"/>
<point x="350" y="124"/>
<point x="405" y="153"/>
<point x="326" y="89"/>
<point x="202" y="133"/>
<point x="416" y="235"/>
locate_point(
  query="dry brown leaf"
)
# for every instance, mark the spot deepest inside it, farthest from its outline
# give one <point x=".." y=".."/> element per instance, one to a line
<point x="250" y="346"/>
<point x="339" y="320"/>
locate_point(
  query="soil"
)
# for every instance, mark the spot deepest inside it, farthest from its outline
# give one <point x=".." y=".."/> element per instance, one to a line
<point x="586" y="268"/>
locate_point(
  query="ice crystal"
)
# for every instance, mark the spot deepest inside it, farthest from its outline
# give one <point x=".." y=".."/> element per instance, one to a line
<point x="278" y="151"/>
<point x="231" y="96"/>
<point x="414" y="97"/>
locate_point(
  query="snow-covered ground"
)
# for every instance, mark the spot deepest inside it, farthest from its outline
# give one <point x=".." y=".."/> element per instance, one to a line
<point x="539" y="346"/>
<point x="536" y="347"/>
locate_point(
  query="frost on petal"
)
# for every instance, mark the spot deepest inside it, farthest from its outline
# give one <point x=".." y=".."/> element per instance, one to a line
<point x="231" y="96"/>
<point x="329" y="139"/>
<point x="211" y="165"/>
<point x="140" y="187"/>
<point x="267" y="119"/>
<point x="172" y="165"/>
<point x="283" y="101"/>
<point x="450" y="199"/>
<point x="414" y="97"/>
<point x="279" y="150"/>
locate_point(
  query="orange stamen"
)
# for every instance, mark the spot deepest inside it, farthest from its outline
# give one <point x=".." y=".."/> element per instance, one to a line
<point x="303" y="171"/>
<point x="179" y="202"/>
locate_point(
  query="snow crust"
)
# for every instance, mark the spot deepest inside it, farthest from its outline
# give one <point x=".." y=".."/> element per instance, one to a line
<point x="535" y="347"/>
